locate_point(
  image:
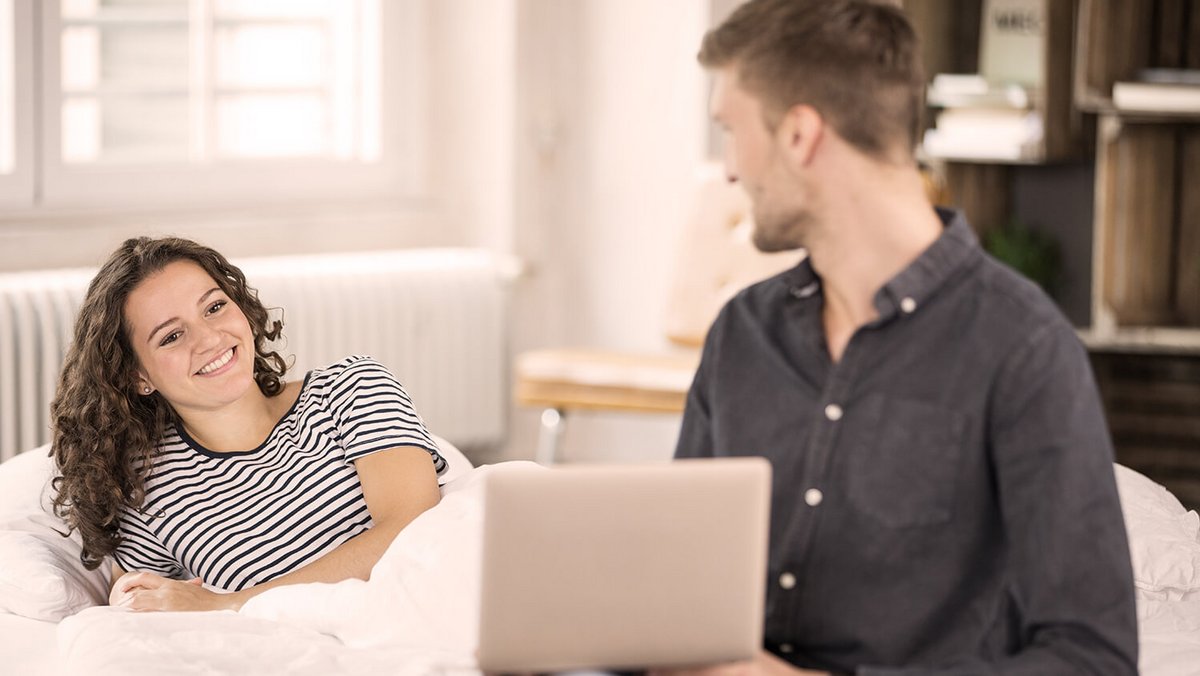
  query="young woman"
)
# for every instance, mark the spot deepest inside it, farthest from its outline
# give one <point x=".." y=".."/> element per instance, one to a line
<point x="187" y="459"/>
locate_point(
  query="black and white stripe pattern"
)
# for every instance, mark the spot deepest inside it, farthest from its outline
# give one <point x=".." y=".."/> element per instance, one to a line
<point x="240" y="519"/>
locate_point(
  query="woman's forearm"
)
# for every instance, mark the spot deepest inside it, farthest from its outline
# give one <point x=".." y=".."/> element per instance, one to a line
<point x="352" y="559"/>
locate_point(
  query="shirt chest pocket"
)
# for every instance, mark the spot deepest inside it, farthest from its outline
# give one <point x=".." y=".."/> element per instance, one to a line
<point x="903" y="461"/>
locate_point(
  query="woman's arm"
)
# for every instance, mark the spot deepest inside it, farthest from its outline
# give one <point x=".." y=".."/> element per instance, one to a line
<point x="398" y="485"/>
<point x="117" y="574"/>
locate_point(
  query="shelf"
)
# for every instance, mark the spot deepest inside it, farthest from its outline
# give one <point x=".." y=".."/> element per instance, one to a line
<point x="1142" y="340"/>
<point x="1104" y="107"/>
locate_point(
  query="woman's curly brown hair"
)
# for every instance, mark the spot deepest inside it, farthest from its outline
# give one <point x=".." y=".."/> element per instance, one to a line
<point x="105" y="432"/>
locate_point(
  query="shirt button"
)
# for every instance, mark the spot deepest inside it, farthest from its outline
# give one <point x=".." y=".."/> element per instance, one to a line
<point x="833" y="412"/>
<point x="813" y="497"/>
<point x="785" y="648"/>
<point x="787" y="581"/>
<point x="908" y="305"/>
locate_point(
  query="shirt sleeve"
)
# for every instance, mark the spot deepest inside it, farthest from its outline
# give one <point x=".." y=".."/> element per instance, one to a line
<point x="141" y="550"/>
<point x="1069" y="553"/>
<point x="373" y="413"/>
<point x="695" y="432"/>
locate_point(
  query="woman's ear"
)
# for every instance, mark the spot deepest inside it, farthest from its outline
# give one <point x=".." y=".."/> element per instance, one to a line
<point x="142" y="384"/>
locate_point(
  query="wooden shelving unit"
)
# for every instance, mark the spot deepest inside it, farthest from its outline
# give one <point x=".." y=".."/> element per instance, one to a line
<point x="1144" y="328"/>
<point x="1146" y="255"/>
<point x="1145" y="332"/>
<point x="1146" y="230"/>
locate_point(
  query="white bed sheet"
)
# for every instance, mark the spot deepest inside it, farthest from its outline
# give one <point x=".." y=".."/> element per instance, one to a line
<point x="226" y="643"/>
<point x="27" y="646"/>
<point x="418" y="615"/>
<point x="1169" y="638"/>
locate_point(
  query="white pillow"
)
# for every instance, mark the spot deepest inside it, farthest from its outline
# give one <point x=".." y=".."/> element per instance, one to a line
<point x="41" y="575"/>
<point x="1164" y="539"/>
<point x="456" y="463"/>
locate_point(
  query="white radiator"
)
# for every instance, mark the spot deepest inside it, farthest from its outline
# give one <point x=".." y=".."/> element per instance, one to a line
<point x="435" y="317"/>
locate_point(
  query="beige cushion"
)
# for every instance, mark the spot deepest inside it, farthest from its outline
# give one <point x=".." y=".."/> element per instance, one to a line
<point x="716" y="258"/>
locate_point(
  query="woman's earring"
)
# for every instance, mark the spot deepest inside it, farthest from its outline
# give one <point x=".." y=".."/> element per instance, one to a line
<point x="146" y="390"/>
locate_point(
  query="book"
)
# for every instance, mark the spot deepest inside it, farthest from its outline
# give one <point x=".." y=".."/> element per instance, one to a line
<point x="951" y="90"/>
<point x="986" y="134"/>
<point x="1162" y="97"/>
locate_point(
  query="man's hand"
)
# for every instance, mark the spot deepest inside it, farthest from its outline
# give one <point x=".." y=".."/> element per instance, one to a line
<point x="763" y="664"/>
<point x="148" y="591"/>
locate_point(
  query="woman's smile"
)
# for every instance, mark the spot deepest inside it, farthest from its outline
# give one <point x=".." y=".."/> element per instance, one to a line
<point x="221" y="364"/>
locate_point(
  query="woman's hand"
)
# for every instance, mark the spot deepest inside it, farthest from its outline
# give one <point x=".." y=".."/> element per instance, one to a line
<point x="148" y="591"/>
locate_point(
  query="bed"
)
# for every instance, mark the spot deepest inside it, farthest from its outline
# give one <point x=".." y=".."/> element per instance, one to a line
<point x="417" y="613"/>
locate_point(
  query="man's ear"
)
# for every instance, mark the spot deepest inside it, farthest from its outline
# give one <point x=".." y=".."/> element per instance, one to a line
<point x="801" y="131"/>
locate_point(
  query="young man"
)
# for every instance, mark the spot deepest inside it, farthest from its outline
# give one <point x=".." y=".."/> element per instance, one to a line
<point x="944" y="500"/>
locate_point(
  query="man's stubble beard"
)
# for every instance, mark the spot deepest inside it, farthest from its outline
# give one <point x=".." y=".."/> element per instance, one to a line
<point x="774" y="232"/>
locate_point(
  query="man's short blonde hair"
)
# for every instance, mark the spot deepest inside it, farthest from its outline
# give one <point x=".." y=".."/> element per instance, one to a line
<point x="856" y="62"/>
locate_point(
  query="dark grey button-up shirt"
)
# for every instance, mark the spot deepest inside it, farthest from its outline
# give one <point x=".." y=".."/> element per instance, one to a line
<point x="944" y="500"/>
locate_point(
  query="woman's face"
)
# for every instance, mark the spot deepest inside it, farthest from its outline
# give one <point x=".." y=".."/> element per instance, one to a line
<point x="192" y="342"/>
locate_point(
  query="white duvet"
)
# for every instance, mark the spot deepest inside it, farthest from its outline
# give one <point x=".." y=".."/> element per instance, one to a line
<point x="418" y="614"/>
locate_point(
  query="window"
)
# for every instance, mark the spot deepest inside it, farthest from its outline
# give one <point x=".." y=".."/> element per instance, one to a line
<point x="16" y="148"/>
<point x="149" y="102"/>
<point x="7" y="91"/>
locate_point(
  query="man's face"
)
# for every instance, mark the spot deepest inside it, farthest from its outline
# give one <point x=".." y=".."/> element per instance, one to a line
<point x="754" y="156"/>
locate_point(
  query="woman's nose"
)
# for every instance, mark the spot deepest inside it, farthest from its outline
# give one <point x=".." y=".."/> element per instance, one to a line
<point x="207" y="337"/>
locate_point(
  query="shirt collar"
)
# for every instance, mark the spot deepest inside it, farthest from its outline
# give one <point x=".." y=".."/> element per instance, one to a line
<point x="906" y="292"/>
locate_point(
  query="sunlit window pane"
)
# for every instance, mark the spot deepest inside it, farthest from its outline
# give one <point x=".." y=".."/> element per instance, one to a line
<point x="290" y="9"/>
<point x="7" y="88"/>
<point x="77" y="9"/>
<point x="124" y="58"/>
<point x="272" y="126"/>
<point x="125" y="130"/>
<point x="220" y="79"/>
<point x="272" y="56"/>
<point x="81" y="130"/>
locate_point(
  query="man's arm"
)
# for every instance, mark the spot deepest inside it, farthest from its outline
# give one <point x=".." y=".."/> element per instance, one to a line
<point x="695" y="432"/>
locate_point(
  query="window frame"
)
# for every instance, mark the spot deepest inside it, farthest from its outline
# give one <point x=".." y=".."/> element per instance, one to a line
<point x="18" y="188"/>
<point x="399" y="173"/>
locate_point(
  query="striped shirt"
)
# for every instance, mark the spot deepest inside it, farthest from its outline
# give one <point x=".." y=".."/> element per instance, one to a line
<point x="239" y="519"/>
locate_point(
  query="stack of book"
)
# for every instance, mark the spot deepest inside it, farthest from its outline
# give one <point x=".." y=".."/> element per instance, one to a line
<point x="982" y="121"/>
<point x="996" y="115"/>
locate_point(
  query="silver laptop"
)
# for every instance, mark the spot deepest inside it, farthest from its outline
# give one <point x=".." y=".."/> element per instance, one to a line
<point x="617" y="567"/>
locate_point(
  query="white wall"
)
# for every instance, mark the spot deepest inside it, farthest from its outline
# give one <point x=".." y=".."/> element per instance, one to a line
<point x="473" y="93"/>
<point x="612" y="108"/>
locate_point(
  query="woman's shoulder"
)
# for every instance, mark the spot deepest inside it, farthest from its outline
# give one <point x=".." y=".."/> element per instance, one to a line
<point x="351" y="368"/>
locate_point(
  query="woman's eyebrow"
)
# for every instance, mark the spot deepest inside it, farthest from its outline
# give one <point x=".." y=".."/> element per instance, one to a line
<point x="159" y="328"/>
<point x="207" y="294"/>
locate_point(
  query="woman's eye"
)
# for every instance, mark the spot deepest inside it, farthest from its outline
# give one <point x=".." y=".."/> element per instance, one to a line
<point x="169" y="338"/>
<point x="215" y="307"/>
